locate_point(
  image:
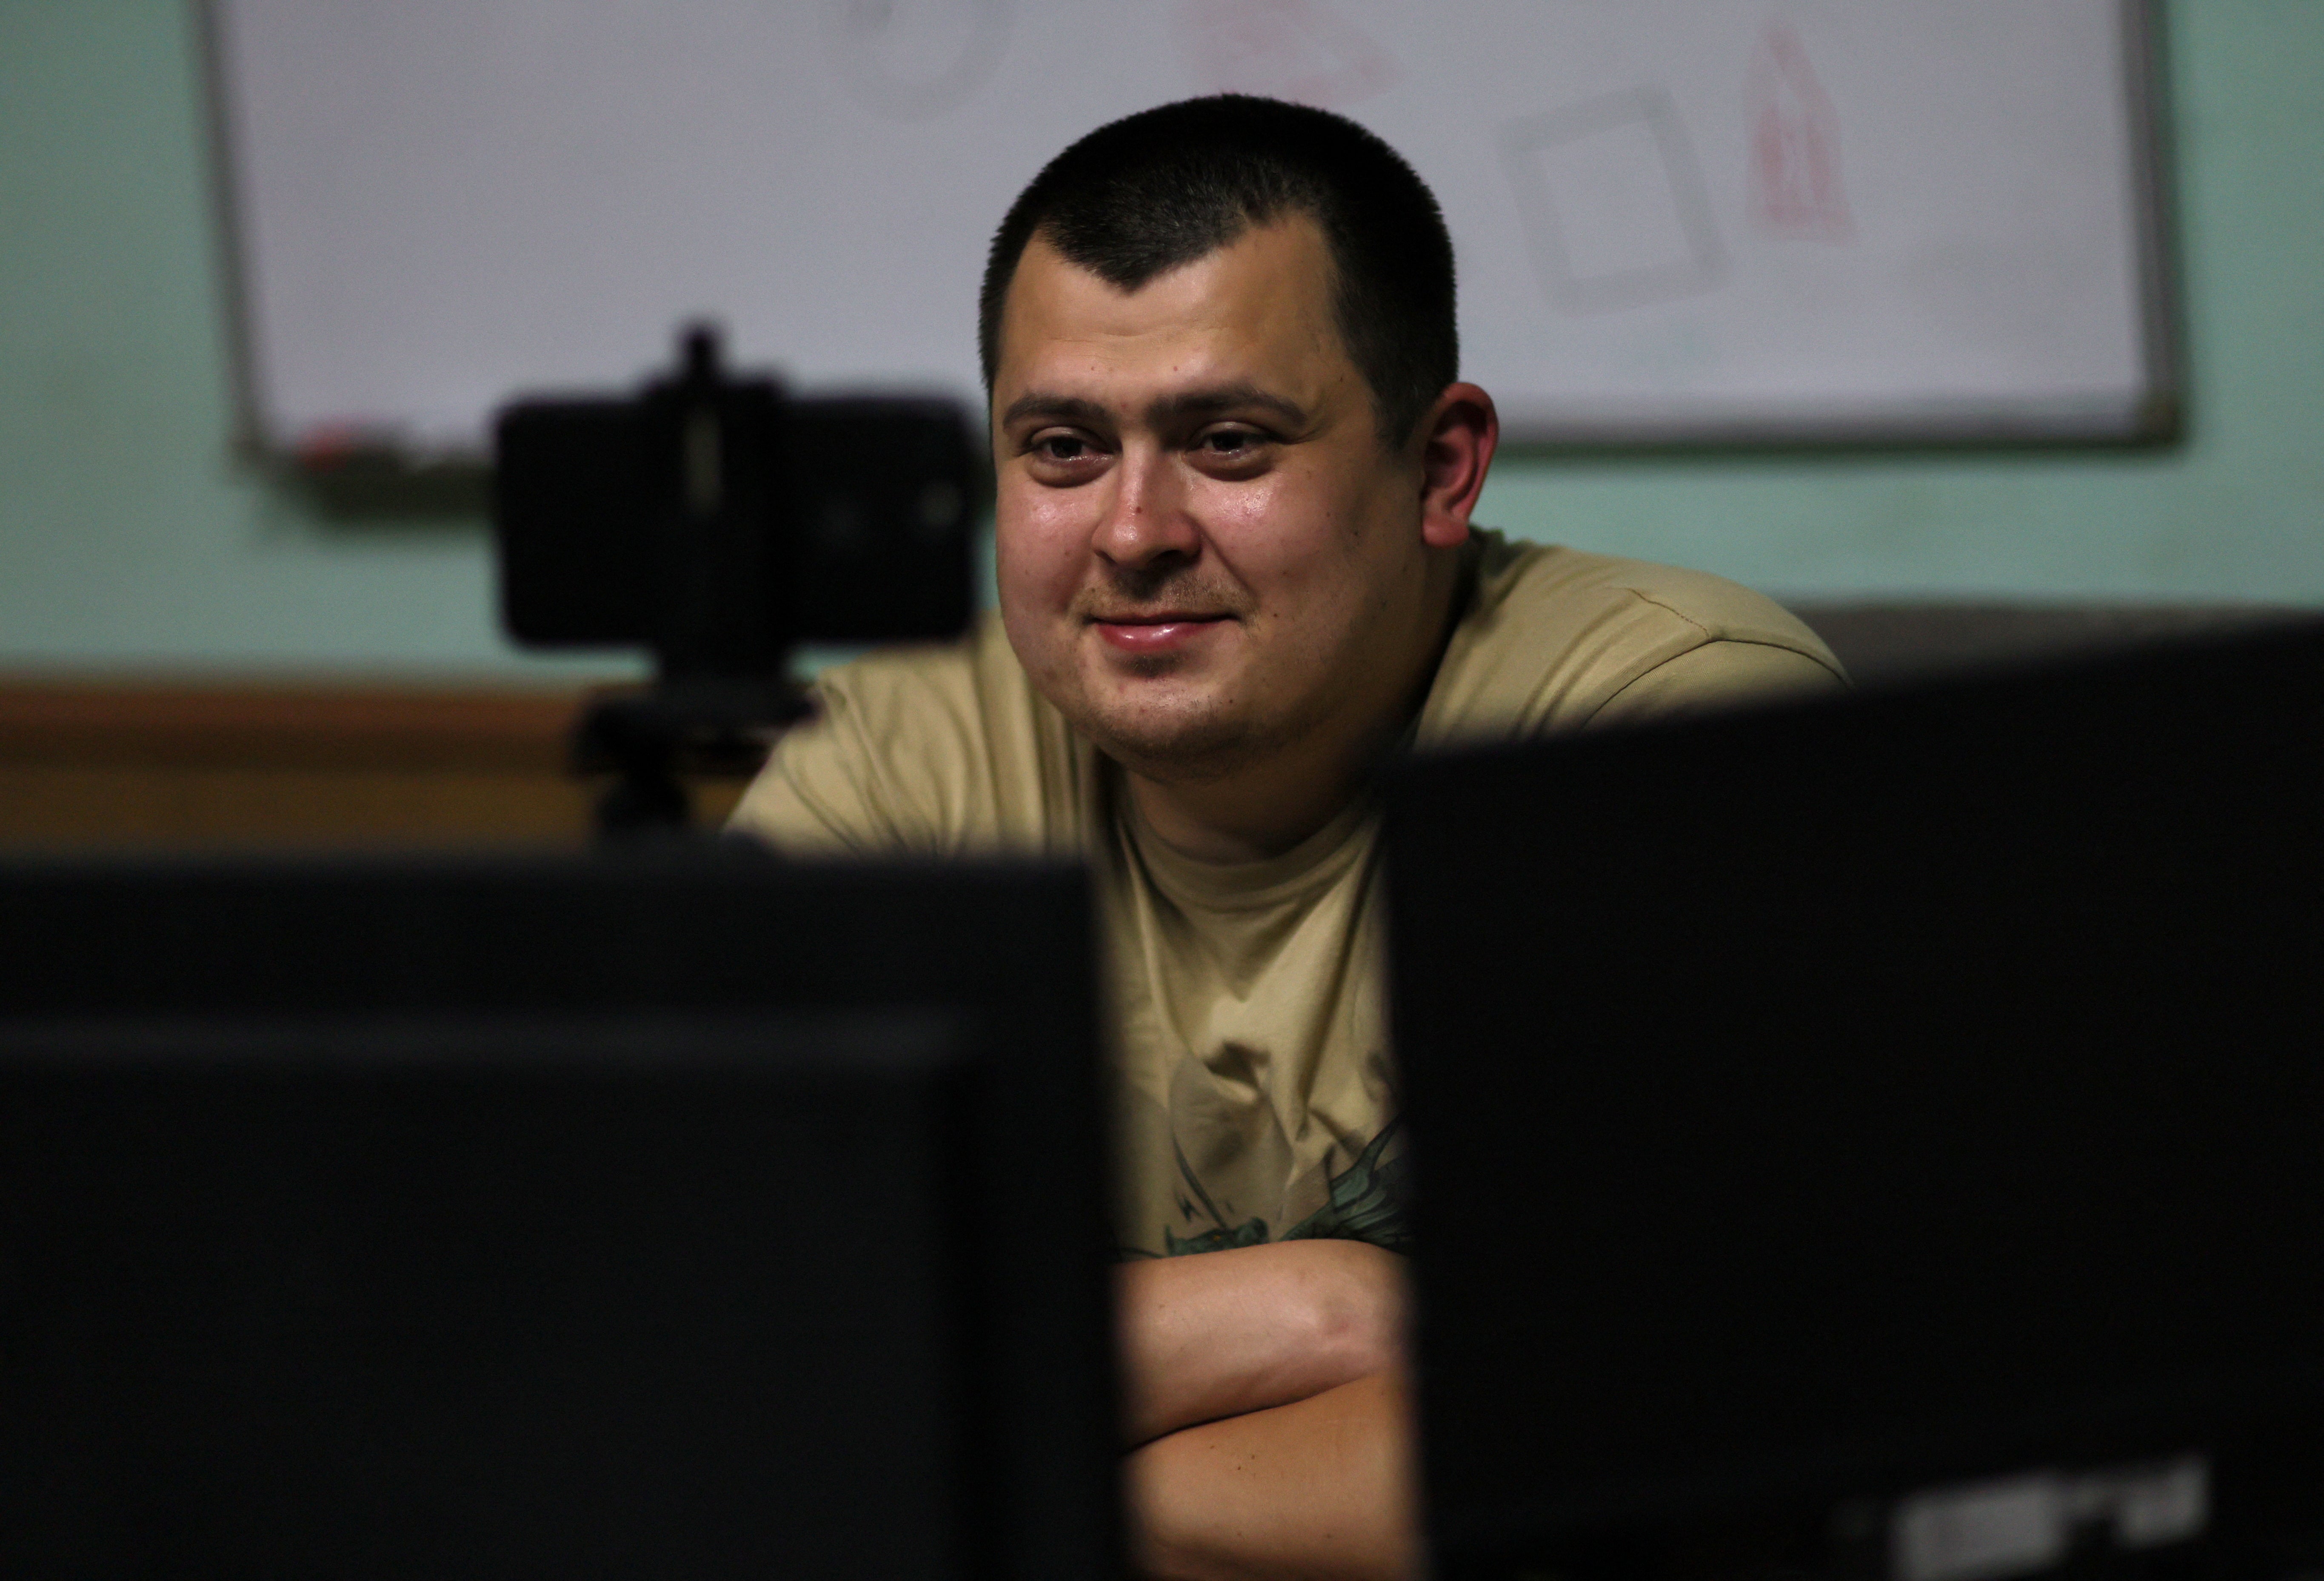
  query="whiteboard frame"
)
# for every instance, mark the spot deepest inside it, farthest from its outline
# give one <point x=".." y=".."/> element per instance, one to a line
<point x="2157" y="416"/>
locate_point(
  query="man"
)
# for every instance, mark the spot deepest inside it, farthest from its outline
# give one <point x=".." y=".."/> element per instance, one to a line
<point x="1235" y="472"/>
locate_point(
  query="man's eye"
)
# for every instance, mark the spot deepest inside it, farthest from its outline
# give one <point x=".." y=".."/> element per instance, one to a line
<point x="1060" y="448"/>
<point x="1230" y="442"/>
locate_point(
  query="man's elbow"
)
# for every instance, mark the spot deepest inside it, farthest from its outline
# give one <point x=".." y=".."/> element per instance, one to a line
<point x="1357" y="1313"/>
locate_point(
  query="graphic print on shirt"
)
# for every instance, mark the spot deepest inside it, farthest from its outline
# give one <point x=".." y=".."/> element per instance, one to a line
<point x="1367" y="1201"/>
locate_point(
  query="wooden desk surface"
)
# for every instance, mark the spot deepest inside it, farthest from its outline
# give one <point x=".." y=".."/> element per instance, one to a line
<point x="141" y="764"/>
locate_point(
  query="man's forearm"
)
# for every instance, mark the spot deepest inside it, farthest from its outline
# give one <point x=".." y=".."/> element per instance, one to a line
<point x="1323" y="1489"/>
<point x="1221" y="1334"/>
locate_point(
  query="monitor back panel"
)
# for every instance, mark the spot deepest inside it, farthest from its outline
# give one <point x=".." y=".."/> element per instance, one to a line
<point x="618" y="1218"/>
<point x="1811" y="1107"/>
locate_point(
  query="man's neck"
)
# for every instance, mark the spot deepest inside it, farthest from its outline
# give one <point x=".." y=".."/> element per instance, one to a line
<point x="1248" y="817"/>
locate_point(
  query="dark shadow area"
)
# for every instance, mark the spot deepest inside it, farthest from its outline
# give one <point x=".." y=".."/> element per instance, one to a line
<point x="1889" y="640"/>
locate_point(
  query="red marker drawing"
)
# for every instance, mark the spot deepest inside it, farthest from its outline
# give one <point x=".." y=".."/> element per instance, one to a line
<point x="1294" y="50"/>
<point x="1795" y="185"/>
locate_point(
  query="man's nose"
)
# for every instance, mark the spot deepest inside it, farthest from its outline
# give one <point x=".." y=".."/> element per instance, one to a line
<point x="1146" y="523"/>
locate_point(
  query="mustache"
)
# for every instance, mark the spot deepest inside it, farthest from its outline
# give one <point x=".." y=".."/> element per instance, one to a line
<point x="1133" y="594"/>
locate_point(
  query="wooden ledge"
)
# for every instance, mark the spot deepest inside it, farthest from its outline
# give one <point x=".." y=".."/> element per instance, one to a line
<point x="284" y="726"/>
<point x="88" y="763"/>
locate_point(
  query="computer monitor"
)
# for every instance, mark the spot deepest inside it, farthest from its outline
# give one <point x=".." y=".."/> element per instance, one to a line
<point x="690" y="1214"/>
<point x="1883" y="1137"/>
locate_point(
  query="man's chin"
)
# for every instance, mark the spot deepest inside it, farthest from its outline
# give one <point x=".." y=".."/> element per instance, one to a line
<point x="1178" y="742"/>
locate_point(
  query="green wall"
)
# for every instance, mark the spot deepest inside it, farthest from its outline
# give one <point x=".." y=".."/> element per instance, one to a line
<point x="131" y="538"/>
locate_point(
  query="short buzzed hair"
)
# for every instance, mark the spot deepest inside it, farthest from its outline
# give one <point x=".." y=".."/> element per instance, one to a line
<point x="1143" y="194"/>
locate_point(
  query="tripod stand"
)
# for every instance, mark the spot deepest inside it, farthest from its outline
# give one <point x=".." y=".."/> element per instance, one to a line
<point x="648" y="741"/>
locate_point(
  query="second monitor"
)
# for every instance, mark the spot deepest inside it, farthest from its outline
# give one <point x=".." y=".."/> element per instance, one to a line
<point x="685" y="1215"/>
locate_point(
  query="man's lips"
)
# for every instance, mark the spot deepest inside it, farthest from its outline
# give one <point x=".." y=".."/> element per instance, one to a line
<point x="1156" y="634"/>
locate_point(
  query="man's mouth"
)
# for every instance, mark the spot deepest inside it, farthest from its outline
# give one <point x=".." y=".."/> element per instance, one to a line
<point x="1161" y="632"/>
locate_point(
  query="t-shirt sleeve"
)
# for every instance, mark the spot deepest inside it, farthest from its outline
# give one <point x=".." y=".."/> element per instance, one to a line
<point x="935" y="752"/>
<point x="819" y="793"/>
<point x="1717" y="676"/>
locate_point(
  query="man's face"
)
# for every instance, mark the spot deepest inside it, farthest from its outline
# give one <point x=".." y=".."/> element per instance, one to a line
<point x="1205" y="553"/>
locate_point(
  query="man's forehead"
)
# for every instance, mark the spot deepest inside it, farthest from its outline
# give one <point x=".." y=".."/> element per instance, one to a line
<point x="1261" y="299"/>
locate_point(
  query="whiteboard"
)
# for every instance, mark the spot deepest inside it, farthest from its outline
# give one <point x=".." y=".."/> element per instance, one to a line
<point x="1675" y="220"/>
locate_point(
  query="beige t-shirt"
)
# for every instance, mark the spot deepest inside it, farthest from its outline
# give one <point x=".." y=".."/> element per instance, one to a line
<point x="1257" y="1094"/>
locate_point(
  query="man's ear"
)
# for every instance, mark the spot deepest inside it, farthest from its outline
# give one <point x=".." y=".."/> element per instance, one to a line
<point x="1457" y="440"/>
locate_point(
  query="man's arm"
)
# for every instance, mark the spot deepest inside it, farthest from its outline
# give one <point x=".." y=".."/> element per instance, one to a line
<point x="1326" y="1489"/>
<point x="1265" y="1403"/>
<point x="1222" y="1334"/>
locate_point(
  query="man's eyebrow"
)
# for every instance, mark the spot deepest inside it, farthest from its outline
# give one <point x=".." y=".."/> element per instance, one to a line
<point x="1070" y="408"/>
<point x="1185" y="404"/>
<point x="1220" y="398"/>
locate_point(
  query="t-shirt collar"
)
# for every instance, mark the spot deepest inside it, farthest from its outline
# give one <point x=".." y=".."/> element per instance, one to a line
<point x="1315" y="861"/>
